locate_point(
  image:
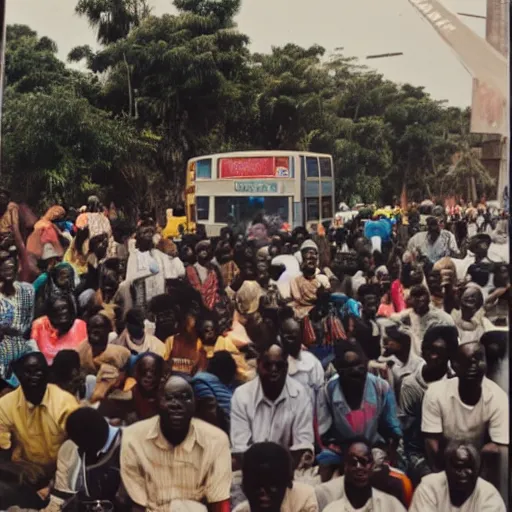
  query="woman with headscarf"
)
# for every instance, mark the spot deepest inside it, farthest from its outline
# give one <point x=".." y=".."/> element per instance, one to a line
<point x="46" y="232"/>
<point x="59" y="282"/>
<point x="97" y="223"/>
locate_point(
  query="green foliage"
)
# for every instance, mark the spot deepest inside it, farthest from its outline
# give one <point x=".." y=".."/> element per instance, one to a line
<point x="164" y="89"/>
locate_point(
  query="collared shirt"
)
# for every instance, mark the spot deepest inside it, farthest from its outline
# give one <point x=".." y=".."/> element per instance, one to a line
<point x="376" y="419"/>
<point x="332" y="498"/>
<point x="287" y="421"/>
<point x="155" y="473"/>
<point x="112" y="433"/>
<point x="39" y="430"/>
<point x="308" y="371"/>
<point x="445" y="245"/>
<point x="433" y="495"/>
<point x="300" y="498"/>
<point x="443" y="412"/>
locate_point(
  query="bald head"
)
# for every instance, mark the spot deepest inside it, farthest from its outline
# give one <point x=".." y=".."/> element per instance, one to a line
<point x="176" y="405"/>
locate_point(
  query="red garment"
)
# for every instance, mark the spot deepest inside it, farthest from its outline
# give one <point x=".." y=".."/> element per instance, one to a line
<point x="397" y="296"/>
<point x="144" y="407"/>
<point x="209" y="290"/>
<point x="48" y="340"/>
<point x="333" y="329"/>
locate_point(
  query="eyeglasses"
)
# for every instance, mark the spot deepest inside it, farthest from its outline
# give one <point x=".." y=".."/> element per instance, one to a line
<point x="354" y="462"/>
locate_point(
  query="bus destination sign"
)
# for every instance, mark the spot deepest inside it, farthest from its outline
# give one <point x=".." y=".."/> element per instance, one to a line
<point x="256" y="187"/>
<point x="254" y="167"/>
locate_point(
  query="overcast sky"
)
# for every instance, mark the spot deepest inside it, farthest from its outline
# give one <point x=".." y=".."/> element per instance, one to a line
<point x="361" y="27"/>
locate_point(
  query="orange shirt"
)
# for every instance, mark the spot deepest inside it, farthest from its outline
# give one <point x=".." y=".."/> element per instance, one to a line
<point x="49" y="341"/>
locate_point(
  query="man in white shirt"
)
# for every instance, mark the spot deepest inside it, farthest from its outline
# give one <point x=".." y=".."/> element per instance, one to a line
<point x="272" y="407"/>
<point x="148" y="268"/>
<point x="303" y="366"/>
<point x="421" y="316"/>
<point x="435" y="243"/>
<point x="469" y="406"/>
<point x="353" y="492"/>
<point x="458" y="488"/>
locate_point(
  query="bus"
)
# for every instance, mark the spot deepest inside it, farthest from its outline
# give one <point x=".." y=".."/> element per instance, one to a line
<point x="231" y="188"/>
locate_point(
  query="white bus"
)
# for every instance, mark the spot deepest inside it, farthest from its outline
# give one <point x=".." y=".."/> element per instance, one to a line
<point x="233" y="187"/>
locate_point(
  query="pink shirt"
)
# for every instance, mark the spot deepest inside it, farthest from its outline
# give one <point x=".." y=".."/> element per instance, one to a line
<point x="48" y="340"/>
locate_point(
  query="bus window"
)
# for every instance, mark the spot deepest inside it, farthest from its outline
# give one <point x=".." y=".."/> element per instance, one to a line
<point x="203" y="208"/>
<point x="244" y="209"/>
<point x="325" y="167"/>
<point x="327" y="207"/>
<point x="312" y="167"/>
<point x="204" y="169"/>
<point x="312" y="209"/>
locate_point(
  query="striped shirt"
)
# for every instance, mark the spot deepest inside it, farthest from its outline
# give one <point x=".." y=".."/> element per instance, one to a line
<point x="155" y="473"/>
<point x="287" y="421"/>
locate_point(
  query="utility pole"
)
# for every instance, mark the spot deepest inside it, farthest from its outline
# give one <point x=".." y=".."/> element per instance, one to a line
<point x="495" y="153"/>
<point x="2" y="68"/>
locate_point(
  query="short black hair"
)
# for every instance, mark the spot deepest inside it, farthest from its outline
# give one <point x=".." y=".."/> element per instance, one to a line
<point x="17" y="365"/>
<point x="134" y="316"/>
<point x="208" y="316"/>
<point x="223" y="366"/>
<point x="343" y="346"/>
<point x="269" y="462"/>
<point x="351" y="441"/>
<point x="65" y="362"/>
<point x="448" y="333"/>
<point x="161" y="303"/>
<point x="497" y="338"/>
<point x="398" y="334"/>
<point x="67" y="298"/>
<point x="367" y="289"/>
<point x="105" y="321"/>
<point x="418" y="290"/>
<point x="85" y="425"/>
<point x="479" y="273"/>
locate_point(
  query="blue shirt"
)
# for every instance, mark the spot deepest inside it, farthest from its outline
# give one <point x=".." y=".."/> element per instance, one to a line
<point x="376" y="419"/>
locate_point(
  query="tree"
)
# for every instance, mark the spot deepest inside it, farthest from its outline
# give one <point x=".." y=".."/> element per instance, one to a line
<point x="57" y="146"/>
<point x="164" y="89"/>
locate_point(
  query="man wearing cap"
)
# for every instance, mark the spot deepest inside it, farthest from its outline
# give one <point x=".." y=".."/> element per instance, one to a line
<point x="435" y="243"/>
<point x="305" y="288"/>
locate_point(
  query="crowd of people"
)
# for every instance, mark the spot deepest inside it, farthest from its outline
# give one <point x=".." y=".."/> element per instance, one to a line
<point x="353" y="366"/>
